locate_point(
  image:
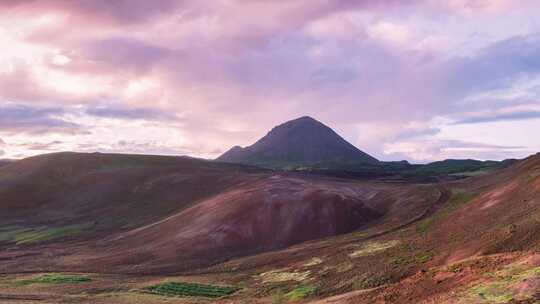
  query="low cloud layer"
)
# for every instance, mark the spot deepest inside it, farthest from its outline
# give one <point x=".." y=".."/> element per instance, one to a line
<point x="418" y="79"/>
<point x="129" y="113"/>
<point x="15" y="118"/>
<point x="513" y="116"/>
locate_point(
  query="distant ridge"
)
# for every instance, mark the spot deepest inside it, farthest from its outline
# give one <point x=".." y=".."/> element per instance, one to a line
<point x="4" y="162"/>
<point x="300" y="141"/>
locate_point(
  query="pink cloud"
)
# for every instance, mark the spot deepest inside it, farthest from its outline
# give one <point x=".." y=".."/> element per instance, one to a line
<point x="121" y="11"/>
<point x="480" y="6"/>
<point x="232" y="69"/>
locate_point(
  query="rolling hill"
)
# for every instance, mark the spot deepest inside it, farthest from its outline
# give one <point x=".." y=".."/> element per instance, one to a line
<point x="196" y="210"/>
<point x="129" y="222"/>
<point x="4" y="162"/>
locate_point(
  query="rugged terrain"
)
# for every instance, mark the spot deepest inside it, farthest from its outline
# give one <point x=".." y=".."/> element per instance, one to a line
<point x="127" y="222"/>
<point x="149" y="212"/>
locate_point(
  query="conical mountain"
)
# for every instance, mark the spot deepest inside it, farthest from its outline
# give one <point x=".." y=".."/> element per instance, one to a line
<point x="300" y="141"/>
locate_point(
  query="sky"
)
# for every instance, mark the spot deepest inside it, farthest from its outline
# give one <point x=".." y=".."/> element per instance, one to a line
<point x="421" y="80"/>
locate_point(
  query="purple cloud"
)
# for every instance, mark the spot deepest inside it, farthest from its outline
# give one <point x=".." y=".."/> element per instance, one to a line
<point x="130" y="113"/>
<point x="123" y="54"/>
<point x="17" y="118"/>
<point x="517" y="115"/>
<point x="121" y="11"/>
<point x="41" y="146"/>
<point x="495" y="67"/>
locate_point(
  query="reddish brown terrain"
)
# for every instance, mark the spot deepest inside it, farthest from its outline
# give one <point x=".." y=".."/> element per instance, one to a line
<point x="130" y="221"/>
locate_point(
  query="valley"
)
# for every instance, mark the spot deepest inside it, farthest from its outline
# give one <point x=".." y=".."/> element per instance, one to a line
<point x="131" y="222"/>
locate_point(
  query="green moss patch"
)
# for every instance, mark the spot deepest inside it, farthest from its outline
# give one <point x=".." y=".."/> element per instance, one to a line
<point x="182" y="289"/>
<point x="504" y="286"/>
<point x="459" y="198"/>
<point x="372" y="280"/>
<point x="56" y="278"/>
<point x="424" y="225"/>
<point x="301" y="292"/>
<point x="359" y="234"/>
<point x="8" y="234"/>
<point x="492" y="293"/>
<point x="25" y="235"/>
<point x="423" y="257"/>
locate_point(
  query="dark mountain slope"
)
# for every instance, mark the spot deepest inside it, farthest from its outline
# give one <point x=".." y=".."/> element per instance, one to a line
<point x="454" y="166"/>
<point x="110" y="188"/>
<point x="4" y="162"/>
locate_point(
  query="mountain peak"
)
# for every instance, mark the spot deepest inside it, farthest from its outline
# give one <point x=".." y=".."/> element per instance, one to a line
<point x="305" y="122"/>
<point x="302" y="140"/>
<point x="303" y="119"/>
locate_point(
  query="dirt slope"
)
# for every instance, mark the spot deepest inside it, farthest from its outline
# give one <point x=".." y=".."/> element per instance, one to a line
<point x="482" y="246"/>
<point x="254" y="217"/>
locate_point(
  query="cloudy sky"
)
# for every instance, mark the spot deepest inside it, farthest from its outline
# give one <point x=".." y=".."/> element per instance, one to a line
<point x="412" y="79"/>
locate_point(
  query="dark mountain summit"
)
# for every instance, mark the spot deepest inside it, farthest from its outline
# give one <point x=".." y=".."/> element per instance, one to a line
<point x="300" y="141"/>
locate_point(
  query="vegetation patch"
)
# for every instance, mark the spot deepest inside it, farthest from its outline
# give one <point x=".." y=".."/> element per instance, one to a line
<point x="459" y="198"/>
<point x="301" y="292"/>
<point x="56" y="278"/>
<point x="343" y="267"/>
<point x="424" y="225"/>
<point x="282" y="275"/>
<point x="182" y="289"/>
<point x="372" y="281"/>
<point x="458" y="166"/>
<point x="373" y="247"/>
<point x="313" y="262"/>
<point x="23" y="235"/>
<point x="278" y="298"/>
<point x="492" y="293"/>
<point x="504" y="286"/>
<point x="423" y="257"/>
<point x="534" y="172"/>
<point x="455" y="268"/>
<point x="359" y="234"/>
<point x="8" y="234"/>
<point x="398" y="261"/>
<point x="472" y="173"/>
